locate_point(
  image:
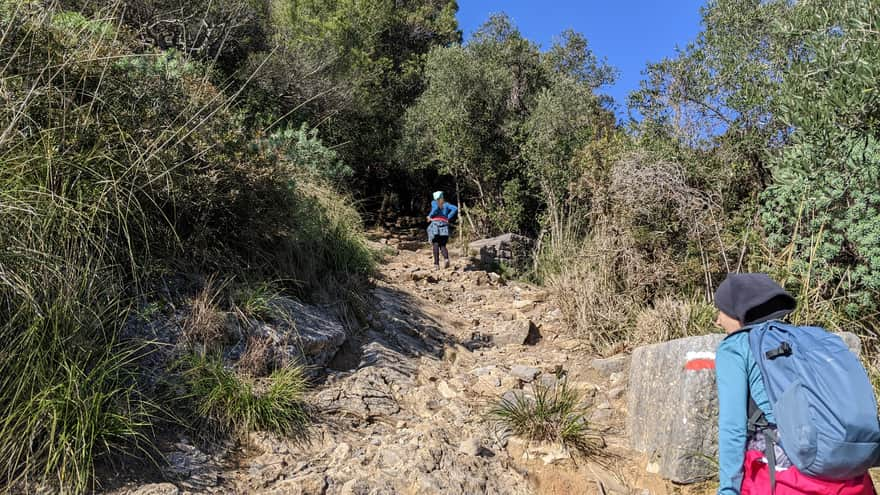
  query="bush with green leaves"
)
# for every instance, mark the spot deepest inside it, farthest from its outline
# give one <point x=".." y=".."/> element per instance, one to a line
<point x="303" y="149"/>
<point x="825" y="198"/>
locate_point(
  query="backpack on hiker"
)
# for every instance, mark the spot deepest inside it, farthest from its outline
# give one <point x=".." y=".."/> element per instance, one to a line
<point x="822" y="399"/>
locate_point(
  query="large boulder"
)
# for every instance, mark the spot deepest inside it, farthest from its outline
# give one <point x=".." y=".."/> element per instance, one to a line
<point x="673" y="405"/>
<point x="303" y="333"/>
<point x="673" y="410"/>
<point x="509" y="249"/>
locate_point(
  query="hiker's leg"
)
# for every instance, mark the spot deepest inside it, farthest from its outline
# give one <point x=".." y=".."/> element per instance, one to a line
<point x="436" y="253"/>
<point x="441" y="241"/>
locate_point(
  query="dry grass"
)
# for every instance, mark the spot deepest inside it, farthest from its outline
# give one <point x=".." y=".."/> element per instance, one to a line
<point x="258" y="357"/>
<point x="205" y="326"/>
<point x="595" y="311"/>
<point x="601" y="281"/>
<point x="670" y="318"/>
<point x="643" y="187"/>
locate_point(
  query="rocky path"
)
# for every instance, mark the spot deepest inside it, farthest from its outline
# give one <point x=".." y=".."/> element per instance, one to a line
<point x="403" y="410"/>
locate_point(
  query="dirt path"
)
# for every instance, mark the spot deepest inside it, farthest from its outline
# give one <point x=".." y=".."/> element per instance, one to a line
<point x="404" y="410"/>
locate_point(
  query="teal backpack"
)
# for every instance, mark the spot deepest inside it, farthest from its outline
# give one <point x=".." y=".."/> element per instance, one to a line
<point x="822" y="399"/>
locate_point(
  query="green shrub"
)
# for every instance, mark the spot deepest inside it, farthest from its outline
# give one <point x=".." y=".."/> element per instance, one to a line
<point x="826" y="190"/>
<point x="118" y="163"/>
<point x="302" y="148"/>
<point x="224" y="404"/>
<point x="552" y="413"/>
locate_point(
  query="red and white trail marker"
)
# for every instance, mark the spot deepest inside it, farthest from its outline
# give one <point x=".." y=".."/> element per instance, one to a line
<point x="695" y="361"/>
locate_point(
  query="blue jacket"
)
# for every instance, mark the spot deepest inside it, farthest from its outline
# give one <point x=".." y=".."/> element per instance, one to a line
<point x="737" y="373"/>
<point x="448" y="211"/>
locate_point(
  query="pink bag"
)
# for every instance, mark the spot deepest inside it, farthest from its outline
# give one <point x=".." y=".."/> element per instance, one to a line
<point x="756" y="481"/>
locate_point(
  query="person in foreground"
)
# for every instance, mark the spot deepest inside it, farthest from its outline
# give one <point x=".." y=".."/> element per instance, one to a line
<point x="438" y="230"/>
<point x="797" y="413"/>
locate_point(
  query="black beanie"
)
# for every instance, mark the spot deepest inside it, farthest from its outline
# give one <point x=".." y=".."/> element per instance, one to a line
<point x="753" y="298"/>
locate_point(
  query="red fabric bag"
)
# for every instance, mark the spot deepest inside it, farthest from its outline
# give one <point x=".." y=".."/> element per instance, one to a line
<point x="756" y="481"/>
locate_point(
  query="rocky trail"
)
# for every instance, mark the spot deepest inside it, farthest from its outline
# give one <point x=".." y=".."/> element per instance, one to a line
<point x="403" y="407"/>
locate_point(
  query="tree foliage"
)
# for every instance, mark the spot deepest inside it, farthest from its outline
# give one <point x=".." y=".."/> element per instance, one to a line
<point x="825" y="198"/>
<point x="505" y="120"/>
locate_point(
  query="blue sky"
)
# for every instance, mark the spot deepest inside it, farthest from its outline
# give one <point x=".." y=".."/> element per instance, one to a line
<point x="628" y="33"/>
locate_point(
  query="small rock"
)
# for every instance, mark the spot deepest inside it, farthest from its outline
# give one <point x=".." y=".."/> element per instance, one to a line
<point x="516" y="397"/>
<point x="601" y="415"/>
<point x="609" y="366"/>
<point x="341" y="451"/>
<point x="616" y="393"/>
<point x="548" y="381"/>
<point x="156" y="489"/>
<point x="540" y="296"/>
<point x="485" y="370"/>
<point x="524" y="373"/>
<point x="266" y="469"/>
<point x="523" y="304"/>
<point x="556" y="455"/>
<point x="446" y="391"/>
<point x="470" y="446"/>
<point x="518" y="332"/>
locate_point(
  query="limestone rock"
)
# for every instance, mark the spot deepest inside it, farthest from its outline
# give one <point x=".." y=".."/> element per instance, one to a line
<point x="673" y="411"/>
<point x="511" y="249"/>
<point x="304" y="333"/>
<point x="470" y="446"/>
<point x="524" y="373"/>
<point x="156" y="489"/>
<point x="367" y="394"/>
<point x="314" y="484"/>
<point x="518" y="332"/>
<point x="608" y="366"/>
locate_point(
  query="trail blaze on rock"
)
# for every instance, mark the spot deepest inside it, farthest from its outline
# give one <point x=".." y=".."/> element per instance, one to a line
<point x="696" y="361"/>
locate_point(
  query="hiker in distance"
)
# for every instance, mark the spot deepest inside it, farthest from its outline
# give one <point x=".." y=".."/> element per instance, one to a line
<point x="438" y="230"/>
<point x="797" y="413"/>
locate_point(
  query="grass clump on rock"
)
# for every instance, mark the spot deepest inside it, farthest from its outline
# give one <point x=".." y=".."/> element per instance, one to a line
<point x="225" y="404"/>
<point x="551" y="413"/>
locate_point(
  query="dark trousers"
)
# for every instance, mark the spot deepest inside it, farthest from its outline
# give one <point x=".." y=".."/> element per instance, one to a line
<point x="440" y="246"/>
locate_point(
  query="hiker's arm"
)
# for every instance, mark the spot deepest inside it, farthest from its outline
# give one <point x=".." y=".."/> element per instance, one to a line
<point x="452" y="210"/>
<point x="732" y="379"/>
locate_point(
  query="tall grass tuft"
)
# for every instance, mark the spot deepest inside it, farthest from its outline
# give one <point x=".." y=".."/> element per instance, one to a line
<point x="553" y="413"/>
<point x="68" y="388"/>
<point x="225" y="404"/>
<point x="256" y="300"/>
